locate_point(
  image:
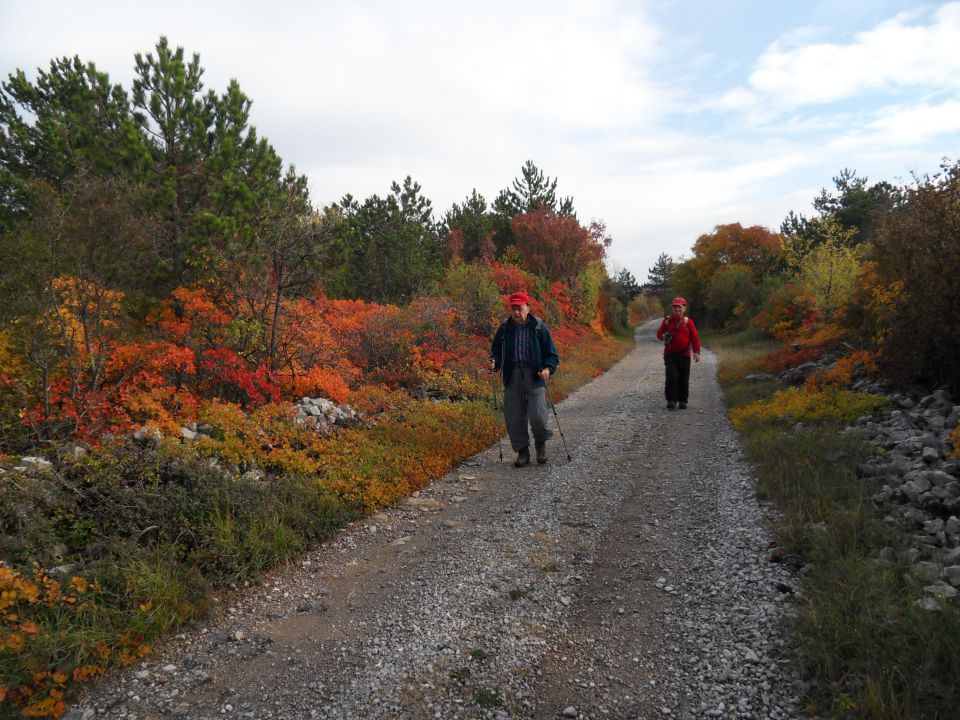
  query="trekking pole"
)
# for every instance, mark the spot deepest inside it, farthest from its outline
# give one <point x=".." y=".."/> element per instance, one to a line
<point x="493" y="396"/>
<point x="554" y="408"/>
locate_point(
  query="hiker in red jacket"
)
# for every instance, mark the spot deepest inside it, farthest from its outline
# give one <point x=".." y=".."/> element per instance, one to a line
<point x="679" y="336"/>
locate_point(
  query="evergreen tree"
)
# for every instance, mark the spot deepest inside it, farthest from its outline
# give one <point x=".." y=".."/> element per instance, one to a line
<point x="530" y="192"/>
<point x="71" y="120"/>
<point x="210" y="172"/>
<point x="192" y="162"/>
<point x="626" y="286"/>
<point x="389" y="248"/>
<point x="658" y="276"/>
<point x="854" y="205"/>
<point x="660" y="279"/>
<point x="474" y="222"/>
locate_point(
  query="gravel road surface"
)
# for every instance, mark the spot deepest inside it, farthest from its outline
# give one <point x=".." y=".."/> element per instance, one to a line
<point x="631" y="581"/>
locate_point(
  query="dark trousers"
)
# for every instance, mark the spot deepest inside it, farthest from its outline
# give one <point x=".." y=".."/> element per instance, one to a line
<point x="524" y="402"/>
<point x="678" y="377"/>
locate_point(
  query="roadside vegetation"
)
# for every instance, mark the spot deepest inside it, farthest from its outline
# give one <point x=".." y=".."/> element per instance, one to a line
<point x="868" y="647"/>
<point x="814" y="327"/>
<point x="108" y="552"/>
<point x="170" y="295"/>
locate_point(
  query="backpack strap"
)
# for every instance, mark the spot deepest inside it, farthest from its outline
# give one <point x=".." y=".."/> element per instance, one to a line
<point x="686" y="324"/>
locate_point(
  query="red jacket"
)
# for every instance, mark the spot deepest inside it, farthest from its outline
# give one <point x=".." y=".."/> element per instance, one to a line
<point x="685" y="336"/>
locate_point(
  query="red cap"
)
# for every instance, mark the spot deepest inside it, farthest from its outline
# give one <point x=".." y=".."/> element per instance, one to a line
<point x="519" y="298"/>
<point x="678" y="301"/>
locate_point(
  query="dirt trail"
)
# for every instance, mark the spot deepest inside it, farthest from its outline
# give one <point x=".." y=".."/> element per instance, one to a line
<point x="630" y="582"/>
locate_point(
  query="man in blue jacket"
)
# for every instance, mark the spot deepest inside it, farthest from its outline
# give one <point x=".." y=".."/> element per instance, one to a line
<point x="523" y="349"/>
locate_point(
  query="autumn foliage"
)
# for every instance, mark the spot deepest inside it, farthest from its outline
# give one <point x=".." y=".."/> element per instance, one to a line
<point x="557" y="246"/>
<point x="199" y="358"/>
<point x="873" y="272"/>
<point x="168" y="294"/>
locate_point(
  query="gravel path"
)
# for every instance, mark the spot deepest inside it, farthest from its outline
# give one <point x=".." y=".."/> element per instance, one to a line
<point x="630" y="582"/>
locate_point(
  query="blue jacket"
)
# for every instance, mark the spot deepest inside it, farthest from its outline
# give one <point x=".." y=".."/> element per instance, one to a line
<point x="542" y="350"/>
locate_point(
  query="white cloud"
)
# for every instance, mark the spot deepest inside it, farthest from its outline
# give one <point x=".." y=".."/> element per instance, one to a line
<point x="915" y="124"/>
<point x="896" y="54"/>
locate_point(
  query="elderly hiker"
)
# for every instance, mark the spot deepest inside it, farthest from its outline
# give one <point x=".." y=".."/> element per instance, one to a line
<point x="523" y="349"/>
<point x="680" y="337"/>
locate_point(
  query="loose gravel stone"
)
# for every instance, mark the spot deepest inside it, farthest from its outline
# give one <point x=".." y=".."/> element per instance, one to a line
<point x="631" y="582"/>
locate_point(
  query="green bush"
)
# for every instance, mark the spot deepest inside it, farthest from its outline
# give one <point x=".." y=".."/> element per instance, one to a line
<point x="128" y="505"/>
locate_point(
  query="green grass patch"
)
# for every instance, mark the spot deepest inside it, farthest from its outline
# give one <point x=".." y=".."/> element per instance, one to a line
<point x="140" y="538"/>
<point x="460" y="675"/>
<point x="518" y="593"/>
<point x="873" y="652"/>
<point x="870" y="651"/>
<point x="740" y="354"/>
<point x="488" y="699"/>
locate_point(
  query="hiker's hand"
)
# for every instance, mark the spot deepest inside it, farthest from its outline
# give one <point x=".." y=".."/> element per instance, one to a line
<point x="545" y="373"/>
<point x="493" y="365"/>
<point x="696" y="357"/>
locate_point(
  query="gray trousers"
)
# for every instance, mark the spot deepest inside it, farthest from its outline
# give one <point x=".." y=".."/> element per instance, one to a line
<point x="524" y="402"/>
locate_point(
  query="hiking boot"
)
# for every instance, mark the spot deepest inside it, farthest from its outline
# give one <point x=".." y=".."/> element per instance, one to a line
<point x="683" y="406"/>
<point x="541" y="446"/>
<point x="671" y="405"/>
<point x="523" y="457"/>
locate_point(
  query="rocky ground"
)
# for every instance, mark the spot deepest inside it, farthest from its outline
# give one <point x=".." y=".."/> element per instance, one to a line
<point x="630" y="581"/>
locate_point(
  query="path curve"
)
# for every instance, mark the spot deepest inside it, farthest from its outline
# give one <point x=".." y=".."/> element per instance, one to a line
<point x="629" y="582"/>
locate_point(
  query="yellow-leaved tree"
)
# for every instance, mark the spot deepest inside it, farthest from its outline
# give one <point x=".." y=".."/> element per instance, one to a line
<point x="831" y="269"/>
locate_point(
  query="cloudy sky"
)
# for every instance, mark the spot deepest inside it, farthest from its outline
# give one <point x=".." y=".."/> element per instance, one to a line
<point x="663" y="118"/>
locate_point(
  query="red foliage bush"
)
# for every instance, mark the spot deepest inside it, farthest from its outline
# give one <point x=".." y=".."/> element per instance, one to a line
<point x="511" y="278"/>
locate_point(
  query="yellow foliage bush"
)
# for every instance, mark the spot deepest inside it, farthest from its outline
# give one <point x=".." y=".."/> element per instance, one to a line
<point x="269" y="438"/>
<point x="409" y="443"/>
<point x="807" y="405"/>
<point x="373" y="468"/>
<point x="11" y="362"/>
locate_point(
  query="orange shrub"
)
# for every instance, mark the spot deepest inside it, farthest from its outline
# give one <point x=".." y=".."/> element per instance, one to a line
<point x="841" y="373"/>
<point x="511" y="278"/>
<point x="787" y="357"/>
<point x="32" y="611"/>
<point x="315" y="382"/>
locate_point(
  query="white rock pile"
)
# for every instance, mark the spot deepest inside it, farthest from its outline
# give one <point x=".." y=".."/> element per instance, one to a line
<point x="920" y="487"/>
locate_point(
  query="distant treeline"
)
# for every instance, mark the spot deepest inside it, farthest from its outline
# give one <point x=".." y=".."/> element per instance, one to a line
<point x="875" y="267"/>
<point x="155" y="253"/>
